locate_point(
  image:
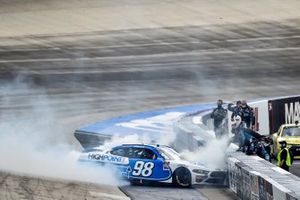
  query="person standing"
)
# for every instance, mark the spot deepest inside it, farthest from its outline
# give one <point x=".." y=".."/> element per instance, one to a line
<point x="247" y="114"/>
<point x="236" y="130"/>
<point x="284" y="159"/>
<point x="236" y="110"/>
<point x="218" y="115"/>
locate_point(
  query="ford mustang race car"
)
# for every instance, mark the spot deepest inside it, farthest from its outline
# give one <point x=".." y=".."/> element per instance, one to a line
<point x="147" y="163"/>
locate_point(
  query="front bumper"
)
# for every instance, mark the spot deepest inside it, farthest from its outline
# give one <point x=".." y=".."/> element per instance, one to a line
<point x="295" y="149"/>
<point x="212" y="178"/>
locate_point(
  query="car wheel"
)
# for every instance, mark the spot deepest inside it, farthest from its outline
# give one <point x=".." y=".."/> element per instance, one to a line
<point x="182" y="177"/>
<point x="135" y="181"/>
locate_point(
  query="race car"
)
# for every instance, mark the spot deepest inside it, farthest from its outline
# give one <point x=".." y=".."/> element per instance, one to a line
<point x="291" y="134"/>
<point x="154" y="163"/>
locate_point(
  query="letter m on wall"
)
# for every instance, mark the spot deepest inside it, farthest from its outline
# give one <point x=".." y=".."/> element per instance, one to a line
<point x="292" y="112"/>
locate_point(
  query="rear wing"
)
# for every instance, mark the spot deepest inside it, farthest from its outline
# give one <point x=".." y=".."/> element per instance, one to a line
<point x="90" y="140"/>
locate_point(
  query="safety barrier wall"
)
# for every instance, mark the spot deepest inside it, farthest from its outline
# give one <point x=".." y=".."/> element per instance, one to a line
<point x="251" y="177"/>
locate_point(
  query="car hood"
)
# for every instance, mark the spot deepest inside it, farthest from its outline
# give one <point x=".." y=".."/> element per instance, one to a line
<point x="291" y="140"/>
<point x="190" y="165"/>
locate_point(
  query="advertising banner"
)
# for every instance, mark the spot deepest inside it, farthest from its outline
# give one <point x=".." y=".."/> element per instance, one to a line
<point x="292" y="197"/>
<point x="233" y="174"/>
<point x="254" y="185"/>
<point x="246" y="183"/>
<point x="278" y="192"/>
<point x="283" y="111"/>
<point x="265" y="189"/>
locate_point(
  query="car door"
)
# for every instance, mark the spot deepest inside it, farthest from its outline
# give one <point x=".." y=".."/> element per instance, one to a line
<point x="145" y="163"/>
<point x="123" y="167"/>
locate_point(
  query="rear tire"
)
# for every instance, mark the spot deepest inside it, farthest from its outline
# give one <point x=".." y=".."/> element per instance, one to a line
<point x="182" y="177"/>
<point x="139" y="182"/>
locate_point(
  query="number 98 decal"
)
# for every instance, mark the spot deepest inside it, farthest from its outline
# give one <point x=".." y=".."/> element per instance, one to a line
<point x="142" y="168"/>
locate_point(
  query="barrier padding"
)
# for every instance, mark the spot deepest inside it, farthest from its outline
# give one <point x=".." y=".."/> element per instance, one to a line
<point x="252" y="177"/>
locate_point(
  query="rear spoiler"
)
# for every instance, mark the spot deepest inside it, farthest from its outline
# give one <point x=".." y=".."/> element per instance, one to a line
<point x="90" y="140"/>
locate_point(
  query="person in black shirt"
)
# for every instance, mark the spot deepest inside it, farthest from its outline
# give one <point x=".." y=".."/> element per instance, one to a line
<point x="236" y="110"/>
<point x="218" y="115"/>
<point x="246" y="114"/>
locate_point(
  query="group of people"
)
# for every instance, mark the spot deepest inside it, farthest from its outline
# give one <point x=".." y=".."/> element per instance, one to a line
<point x="249" y="141"/>
<point x="241" y="111"/>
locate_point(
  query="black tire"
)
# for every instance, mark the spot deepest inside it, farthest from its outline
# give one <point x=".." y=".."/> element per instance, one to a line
<point x="136" y="181"/>
<point x="182" y="177"/>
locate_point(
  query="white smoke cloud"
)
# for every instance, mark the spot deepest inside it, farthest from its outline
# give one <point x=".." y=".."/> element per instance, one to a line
<point x="60" y="163"/>
<point x="33" y="140"/>
<point x="212" y="155"/>
<point x="130" y="139"/>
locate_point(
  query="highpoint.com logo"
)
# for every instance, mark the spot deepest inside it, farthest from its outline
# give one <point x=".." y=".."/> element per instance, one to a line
<point x="104" y="157"/>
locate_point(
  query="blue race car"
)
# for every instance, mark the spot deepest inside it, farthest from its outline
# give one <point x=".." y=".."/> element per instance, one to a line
<point x="158" y="163"/>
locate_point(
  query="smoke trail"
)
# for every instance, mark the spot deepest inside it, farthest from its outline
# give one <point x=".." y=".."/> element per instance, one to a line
<point x="33" y="139"/>
<point x="212" y="155"/>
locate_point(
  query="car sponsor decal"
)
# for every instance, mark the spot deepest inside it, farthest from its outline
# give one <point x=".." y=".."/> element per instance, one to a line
<point x="108" y="158"/>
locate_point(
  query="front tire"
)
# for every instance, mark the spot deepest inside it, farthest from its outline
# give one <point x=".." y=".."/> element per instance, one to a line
<point x="182" y="177"/>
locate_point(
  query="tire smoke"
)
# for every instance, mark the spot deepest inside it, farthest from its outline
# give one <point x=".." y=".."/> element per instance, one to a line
<point x="33" y="139"/>
<point x="212" y="155"/>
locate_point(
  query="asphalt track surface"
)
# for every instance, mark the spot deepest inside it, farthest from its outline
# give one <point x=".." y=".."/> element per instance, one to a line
<point x="98" y="75"/>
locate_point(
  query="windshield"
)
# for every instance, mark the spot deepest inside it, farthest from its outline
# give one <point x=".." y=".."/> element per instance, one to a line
<point x="291" y="131"/>
<point x="168" y="153"/>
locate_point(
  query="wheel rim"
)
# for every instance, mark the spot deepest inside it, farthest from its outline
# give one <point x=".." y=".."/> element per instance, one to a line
<point x="183" y="178"/>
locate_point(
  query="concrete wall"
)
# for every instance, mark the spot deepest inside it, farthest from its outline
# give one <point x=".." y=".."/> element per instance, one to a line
<point x="251" y="177"/>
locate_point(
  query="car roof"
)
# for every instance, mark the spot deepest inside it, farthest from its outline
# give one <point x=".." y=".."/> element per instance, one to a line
<point x="137" y="145"/>
<point x="290" y="125"/>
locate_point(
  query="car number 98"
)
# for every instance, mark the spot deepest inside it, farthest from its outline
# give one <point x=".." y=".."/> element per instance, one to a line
<point x="143" y="168"/>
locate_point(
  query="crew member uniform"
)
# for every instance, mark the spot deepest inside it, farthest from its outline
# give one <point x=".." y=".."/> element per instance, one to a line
<point x="236" y="110"/>
<point x="284" y="155"/>
<point x="247" y="115"/>
<point x="219" y="114"/>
